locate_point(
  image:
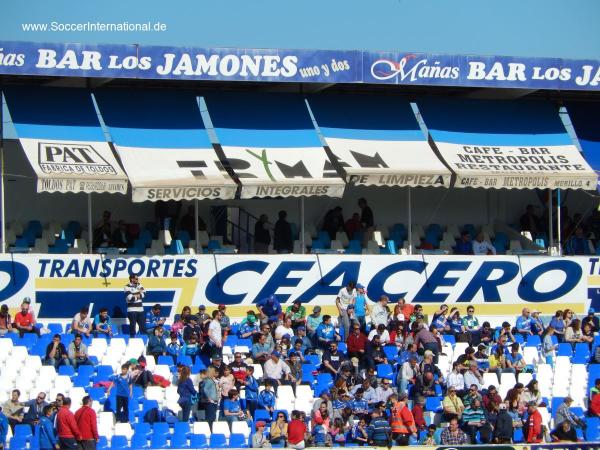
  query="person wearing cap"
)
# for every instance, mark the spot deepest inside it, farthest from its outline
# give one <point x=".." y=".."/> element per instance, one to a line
<point x="5" y="321"/>
<point x="259" y="438"/>
<point x="203" y="317"/>
<point x="592" y="320"/>
<point x="269" y="309"/>
<point x="534" y="429"/>
<point x="307" y="345"/>
<point x="361" y="306"/>
<point x="25" y="319"/>
<point x="296" y="313"/>
<point x="503" y="430"/>
<point x="134" y="296"/>
<point x="563" y="413"/>
<point x="313" y="320"/>
<point x="249" y="327"/>
<point x="153" y="319"/>
<point x="277" y="370"/>
<point x="345" y="298"/>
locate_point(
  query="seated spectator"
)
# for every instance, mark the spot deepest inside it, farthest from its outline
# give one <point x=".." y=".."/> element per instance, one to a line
<point x="564" y="414"/>
<point x="102" y="324"/>
<point x="261" y="350"/>
<point x="120" y="237"/>
<point x="352" y="225"/>
<point x="313" y="321"/>
<point x="35" y="410"/>
<point x="578" y="244"/>
<point x="558" y="324"/>
<point x="307" y="345"/>
<point x="429" y="438"/>
<point x="224" y="321"/>
<point x="491" y="398"/>
<point x="13" y="410"/>
<point x="56" y="353"/>
<point x="325" y="333"/>
<point x="359" y="432"/>
<point x="156" y="345"/>
<point x="191" y="348"/>
<point x="383" y="391"/>
<point x="296" y="313"/>
<point x="471" y="395"/>
<point x="279" y="430"/>
<point x="25" y="319"/>
<point x="408" y="374"/>
<point x="592" y="320"/>
<point x="269" y="309"/>
<point x="102" y="237"/>
<point x="482" y="247"/>
<point x="440" y="320"/>
<point x="452" y="406"/>
<point x="537" y="325"/>
<point x="453" y="435"/>
<point x="232" y="407"/>
<point x="564" y="432"/>
<point x="77" y="351"/>
<point x="573" y="334"/>
<point x="5" y="321"/>
<point x="397" y="335"/>
<point x="474" y="421"/>
<point x="266" y="398"/>
<point x="238" y="369"/>
<point x="456" y="379"/>
<point x="523" y="325"/>
<point x="515" y="360"/>
<point x="284" y="328"/>
<point x="82" y="323"/>
<point x="486" y="334"/>
<point x="473" y="377"/>
<point x="276" y="370"/>
<point x="532" y="393"/>
<point x="464" y="246"/>
<point x="226" y="382"/>
<point x="259" y="438"/>
<point x="174" y="346"/>
<point x="374" y="353"/>
<point x="503" y="430"/>
<point x="154" y="319"/>
<point x="594" y="406"/>
<point x="249" y="328"/>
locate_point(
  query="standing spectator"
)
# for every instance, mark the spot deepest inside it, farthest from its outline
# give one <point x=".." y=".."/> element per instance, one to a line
<point x="564" y="414"/>
<point x="25" y="319"/>
<point x="296" y="313"/>
<point x="224" y="321"/>
<point x="402" y="421"/>
<point x="134" y="295"/>
<point x="259" y="439"/>
<point x="215" y="335"/>
<point x="251" y="389"/>
<point x="56" y="353"/>
<point x="334" y="222"/>
<point x="262" y="236"/>
<point x="282" y="235"/>
<point x="296" y="431"/>
<point x="156" y="344"/>
<point x="35" y="410"/>
<point x="124" y="384"/>
<point x="344" y="299"/>
<point x="380" y="312"/>
<point x="361" y="307"/>
<point x="82" y="323"/>
<point x="48" y="440"/>
<point x="367" y="220"/>
<point x="210" y="395"/>
<point x="5" y="321"/>
<point x="548" y="346"/>
<point x="535" y="432"/>
<point x="66" y="426"/>
<point x="379" y="430"/>
<point x="352" y="225"/>
<point x="453" y="435"/>
<point x="154" y="319"/>
<point x="187" y="393"/>
<point x="503" y="431"/>
<point x="428" y="341"/>
<point x="102" y="324"/>
<point x="86" y="422"/>
<point x="13" y="409"/>
<point x="77" y="352"/>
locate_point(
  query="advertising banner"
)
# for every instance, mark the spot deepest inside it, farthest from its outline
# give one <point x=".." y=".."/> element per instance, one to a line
<point x="288" y="65"/>
<point x="61" y="284"/>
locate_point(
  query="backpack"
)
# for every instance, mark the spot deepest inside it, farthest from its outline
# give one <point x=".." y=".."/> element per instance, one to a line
<point x="168" y="415"/>
<point x="152" y="416"/>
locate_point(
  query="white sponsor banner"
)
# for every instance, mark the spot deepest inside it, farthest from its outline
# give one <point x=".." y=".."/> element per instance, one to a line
<point x="512" y="167"/>
<point x="176" y="174"/>
<point x="73" y="166"/>
<point x="284" y="172"/>
<point x="389" y="163"/>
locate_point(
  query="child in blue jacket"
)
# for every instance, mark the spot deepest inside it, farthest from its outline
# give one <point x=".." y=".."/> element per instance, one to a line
<point x="46" y="432"/>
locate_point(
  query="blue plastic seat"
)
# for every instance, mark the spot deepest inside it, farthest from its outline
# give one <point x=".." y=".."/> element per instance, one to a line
<point x="433" y="404"/>
<point x="75" y="227"/>
<point x="103" y="373"/>
<point x="143" y="429"/>
<point x="23" y="432"/>
<point x="218" y="441"/>
<point x="182" y="428"/>
<point x="391" y="352"/>
<point x="119" y="443"/>
<point x="213" y="245"/>
<point x="81" y="380"/>
<point x="96" y="393"/>
<point x="179" y="441"/>
<point x="324" y="237"/>
<point x="262" y="414"/>
<point x="165" y="360"/>
<point x="518" y="436"/>
<point x="592" y="432"/>
<point x="160" y="428"/>
<point x="325" y="379"/>
<point x="307" y="372"/>
<point x="18" y="442"/>
<point x="139" y="441"/>
<point x="184" y="237"/>
<point x="174" y="248"/>
<point x="313" y="359"/>
<point x="198" y="441"/>
<point x="185" y="360"/>
<point x="159" y="441"/>
<point x="237" y="440"/>
<point x="35" y="226"/>
<point x="564" y="349"/>
<point x="533" y="341"/>
<point x="66" y="370"/>
<point x="102" y="443"/>
<point x="385" y="371"/>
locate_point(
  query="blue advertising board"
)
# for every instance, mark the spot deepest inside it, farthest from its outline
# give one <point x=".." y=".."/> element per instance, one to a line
<point x="307" y="66"/>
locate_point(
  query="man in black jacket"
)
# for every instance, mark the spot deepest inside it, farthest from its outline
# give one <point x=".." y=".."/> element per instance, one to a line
<point x="503" y="432"/>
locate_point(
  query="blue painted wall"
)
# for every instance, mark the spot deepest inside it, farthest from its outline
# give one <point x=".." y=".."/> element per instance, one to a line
<point x="548" y="28"/>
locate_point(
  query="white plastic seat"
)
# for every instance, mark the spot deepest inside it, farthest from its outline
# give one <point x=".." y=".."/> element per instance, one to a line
<point x="18" y="355"/>
<point x="258" y="371"/>
<point x="240" y="427"/>
<point x="202" y="428"/>
<point x="372" y="248"/>
<point x="337" y="245"/>
<point x="298" y="248"/>
<point x="171" y="393"/>
<point x="342" y="237"/>
<point x="155" y="393"/>
<point x="221" y="428"/>
<point x="123" y="429"/>
<point x="219" y="239"/>
<point x="525" y="378"/>
<point x="490" y="379"/>
<point x="308" y="239"/>
<point x="99" y="343"/>
<point x="33" y="362"/>
<point x="63" y="383"/>
<point x="118" y="343"/>
<point x="40" y="246"/>
<point x="106" y="423"/>
<point x="6" y="346"/>
<point x="7" y="384"/>
<point x="203" y="238"/>
<point x="304" y="391"/>
<point x="163" y="370"/>
<point x="10" y="372"/>
<point x="530" y="355"/>
<point x="508" y="378"/>
<point x="515" y="245"/>
<point x="285" y="392"/>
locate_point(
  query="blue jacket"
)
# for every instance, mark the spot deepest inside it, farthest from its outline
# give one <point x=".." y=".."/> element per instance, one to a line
<point x="47" y="433"/>
<point x="186" y="391"/>
<point x="252" y="389"/>
<point x="156" y="345"/>
<point x="266" y="399"/>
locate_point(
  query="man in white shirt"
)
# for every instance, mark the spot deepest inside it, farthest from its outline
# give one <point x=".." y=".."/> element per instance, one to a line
<point x="276" y="369"/>
<point x="383" y="391"/>
<point x="344" y="299"/>
<point x="456" y="379"/>
<point x="215" y="336"/>
<point x="379" y="312"/>
<point x="283" y="329"/>
<point x="482" y="247"/>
